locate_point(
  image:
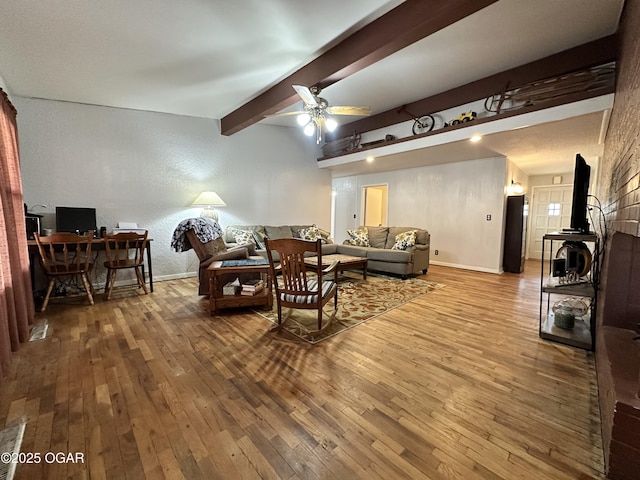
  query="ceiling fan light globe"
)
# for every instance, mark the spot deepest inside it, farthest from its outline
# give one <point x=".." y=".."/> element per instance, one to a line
<point x="303" y="119"/>
<point x="309" y="129"/>
<point x="331" y="124"/>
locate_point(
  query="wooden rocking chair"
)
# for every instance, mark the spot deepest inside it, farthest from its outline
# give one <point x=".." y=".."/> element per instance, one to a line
<point x="301" y="286"/>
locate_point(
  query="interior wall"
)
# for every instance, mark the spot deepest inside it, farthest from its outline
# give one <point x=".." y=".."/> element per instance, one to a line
<point x="617" y="317"/>
<point x="516" y="175"/>
<point x="539" y="180"/>
<point x="147" y="168"/>
<point x="4" y="87"/>
<point x="451" y="201"/>
<point x="619" y="186"/>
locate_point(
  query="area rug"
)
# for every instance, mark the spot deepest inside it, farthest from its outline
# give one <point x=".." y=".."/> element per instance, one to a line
<point x="358" y="301"/>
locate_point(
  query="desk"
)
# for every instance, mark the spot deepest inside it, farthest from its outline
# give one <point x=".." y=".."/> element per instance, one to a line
<point x="97" y="245"/>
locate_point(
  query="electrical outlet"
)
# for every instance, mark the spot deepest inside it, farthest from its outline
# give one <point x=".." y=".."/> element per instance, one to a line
<point x="489" y="218"/>
<point x="435" y="252"/>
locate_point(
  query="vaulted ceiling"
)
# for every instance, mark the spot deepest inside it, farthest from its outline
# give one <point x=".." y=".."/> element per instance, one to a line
<point x="235" y="61"/>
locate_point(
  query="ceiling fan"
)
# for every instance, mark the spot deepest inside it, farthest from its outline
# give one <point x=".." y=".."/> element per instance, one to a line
<point x="314" y="117"/>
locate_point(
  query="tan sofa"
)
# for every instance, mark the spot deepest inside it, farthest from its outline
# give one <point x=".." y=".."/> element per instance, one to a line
<point x="269" y="231"/>
<point x="381" y="258"/>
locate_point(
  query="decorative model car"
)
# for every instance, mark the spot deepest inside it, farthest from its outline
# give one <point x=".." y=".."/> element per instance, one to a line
<point x="462" y="118"/>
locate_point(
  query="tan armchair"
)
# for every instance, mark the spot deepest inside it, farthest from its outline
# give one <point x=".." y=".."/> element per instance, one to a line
<point x="211" y="252"/>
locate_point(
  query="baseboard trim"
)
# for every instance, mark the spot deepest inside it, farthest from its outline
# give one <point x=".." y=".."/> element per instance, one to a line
<point x="175" y="276"/>
<point x="156" y="278"/>
<point x="466" y="267"/>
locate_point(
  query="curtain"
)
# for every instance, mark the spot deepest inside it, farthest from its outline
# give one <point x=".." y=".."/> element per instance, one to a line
<point x="16" y="298"/>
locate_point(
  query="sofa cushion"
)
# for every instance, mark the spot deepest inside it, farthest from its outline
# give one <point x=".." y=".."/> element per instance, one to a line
<point x="378" y="236"/>
<point x="405" y="240"/>
<point x="421" y="235"/>
<point x="389" y="267"/>
<point x="330" y="248"/>
<point x="345" y="249"/>
<point x="388" y="255"/>
<point x="274" y="233"/>
<point x="358" y="237"/>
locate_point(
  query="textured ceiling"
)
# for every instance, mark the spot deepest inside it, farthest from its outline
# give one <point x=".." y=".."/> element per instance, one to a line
<point x="207" y="58"/>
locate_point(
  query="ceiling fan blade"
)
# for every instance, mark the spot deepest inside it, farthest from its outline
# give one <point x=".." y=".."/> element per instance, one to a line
<point x="283" y="114"/>
<point x="306" y="95"/>
<point x="346" y="110"/>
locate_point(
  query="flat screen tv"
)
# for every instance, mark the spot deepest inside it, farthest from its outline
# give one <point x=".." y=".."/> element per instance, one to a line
<point x="581" y="174"/>
<point x="75" y="219"/>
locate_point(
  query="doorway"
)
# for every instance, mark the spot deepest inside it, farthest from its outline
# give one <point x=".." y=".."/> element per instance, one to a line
<point x="374" y="205"/>
<point x="550" y="212"/>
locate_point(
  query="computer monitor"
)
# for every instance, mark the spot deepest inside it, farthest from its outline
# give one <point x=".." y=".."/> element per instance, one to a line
<point x="75" y="219"/>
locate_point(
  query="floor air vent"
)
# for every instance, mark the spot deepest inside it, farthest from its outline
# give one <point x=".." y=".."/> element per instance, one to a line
<point x="39" y="332"/>
<point x="10" y="442"/>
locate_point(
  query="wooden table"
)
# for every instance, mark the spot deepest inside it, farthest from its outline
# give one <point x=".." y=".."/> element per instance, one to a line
<point x="222" y="272"/>
<point x="97" y="245"/>
<point x="347" y="262"/>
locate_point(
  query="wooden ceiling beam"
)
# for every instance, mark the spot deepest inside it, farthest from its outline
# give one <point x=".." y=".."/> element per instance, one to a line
<point x="584" y="56"/>
<point x="409" y="22"/>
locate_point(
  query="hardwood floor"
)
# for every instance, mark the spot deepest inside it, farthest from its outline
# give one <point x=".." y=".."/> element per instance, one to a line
<point x="454" y="385"/>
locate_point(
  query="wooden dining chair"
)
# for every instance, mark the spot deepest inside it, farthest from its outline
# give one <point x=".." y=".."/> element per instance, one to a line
<point x="66" y="255"/>
<point x="124" y="250"/>
<point x="302" y="286"/>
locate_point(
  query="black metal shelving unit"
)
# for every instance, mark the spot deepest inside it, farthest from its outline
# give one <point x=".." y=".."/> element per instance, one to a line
<point x="552" y="289"/>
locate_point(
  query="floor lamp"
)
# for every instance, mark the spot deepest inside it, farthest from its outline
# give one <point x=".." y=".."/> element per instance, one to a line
<point x="209" y="200"/>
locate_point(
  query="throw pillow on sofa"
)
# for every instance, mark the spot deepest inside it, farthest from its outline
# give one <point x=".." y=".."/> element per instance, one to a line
<point x="245" y="238"/>
<point x="405" y="240"/>
<point x="325" y="235"/>
<point x="242" y="236"/>
<point x="358" y="237"/>
<point x="258" y="239"/>
<point x="312" y="233"/>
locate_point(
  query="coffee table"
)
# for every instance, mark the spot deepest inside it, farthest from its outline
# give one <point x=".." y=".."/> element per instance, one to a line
<point x="347" y="262"/>
<point x="222" y="272"/>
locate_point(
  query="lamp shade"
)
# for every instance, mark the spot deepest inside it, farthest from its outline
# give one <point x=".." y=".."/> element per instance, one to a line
<point x="210" y="199"/>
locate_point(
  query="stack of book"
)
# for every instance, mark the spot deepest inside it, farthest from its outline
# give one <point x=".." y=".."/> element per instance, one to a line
<point x="252" y="287"/>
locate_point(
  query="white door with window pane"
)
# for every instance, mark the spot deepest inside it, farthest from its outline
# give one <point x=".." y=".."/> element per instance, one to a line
<point x="550" y="211"/>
